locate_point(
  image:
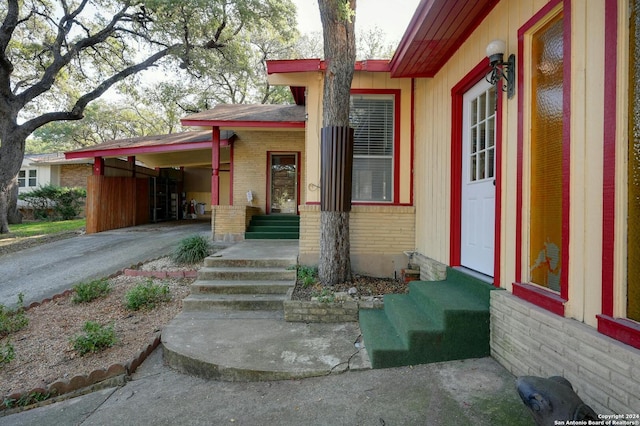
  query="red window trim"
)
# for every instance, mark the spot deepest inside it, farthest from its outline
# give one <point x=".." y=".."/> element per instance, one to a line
<point x="622" y="329"/>
<point x="476" y="74"/>
<point x="544" y="298"/>
<point x="397" y="93"/>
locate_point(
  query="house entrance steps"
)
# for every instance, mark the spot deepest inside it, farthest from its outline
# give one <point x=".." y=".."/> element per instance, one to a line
<point x="436" y="321"/>
<point x="232" y="325"/>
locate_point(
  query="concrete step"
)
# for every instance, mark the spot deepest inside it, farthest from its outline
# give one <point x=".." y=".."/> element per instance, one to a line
<point x="224" y="262"/>
<point x="258" y="346"/>
<point x="241" y="302"/>
<point x="241" y="287"/>
<point x="246" y="274"/>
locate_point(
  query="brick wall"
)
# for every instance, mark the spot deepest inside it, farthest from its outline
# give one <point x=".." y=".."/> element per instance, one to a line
<point x="250" y="162"/>
<point x="75" y="175"/>
<point x="528" y="340"/>
<point x="228" y="223"/>
<point x="379" y="237"/>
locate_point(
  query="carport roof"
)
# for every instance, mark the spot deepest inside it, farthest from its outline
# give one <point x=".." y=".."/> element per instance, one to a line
<point x="185" y="141"/>
<point x="240" y="115"/>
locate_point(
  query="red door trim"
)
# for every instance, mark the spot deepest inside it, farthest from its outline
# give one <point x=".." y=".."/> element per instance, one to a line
<point x="457" y="93"/>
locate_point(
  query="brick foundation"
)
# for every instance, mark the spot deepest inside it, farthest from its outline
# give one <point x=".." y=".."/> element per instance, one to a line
<point x="528" y="340"/>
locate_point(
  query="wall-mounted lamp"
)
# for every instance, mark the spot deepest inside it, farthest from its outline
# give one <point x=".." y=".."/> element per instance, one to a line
<point x="500" y="69"/>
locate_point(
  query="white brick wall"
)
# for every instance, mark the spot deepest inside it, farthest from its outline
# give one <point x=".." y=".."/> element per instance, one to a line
<point x="528" y="340"/>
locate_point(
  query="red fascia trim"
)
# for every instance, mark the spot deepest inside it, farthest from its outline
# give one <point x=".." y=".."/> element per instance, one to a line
<point x="609" y="156"/>
<point x="457" y="94"/>
<point x="283" y="66"/>
<point x="154" y="149"/>
<point x="373" y="65"/>
<point x="396" y="136"/>
<point x="236" y="124"/>
<point x="622" y="329"/>
<point x="540" y="297"/>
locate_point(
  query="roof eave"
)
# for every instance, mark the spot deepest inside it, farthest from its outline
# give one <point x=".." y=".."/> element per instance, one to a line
<point x="153" y="149"/>
<point x="238" y="123"/>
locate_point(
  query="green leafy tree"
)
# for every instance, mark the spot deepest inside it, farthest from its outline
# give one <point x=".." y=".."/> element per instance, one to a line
<point x="57" y="56"/>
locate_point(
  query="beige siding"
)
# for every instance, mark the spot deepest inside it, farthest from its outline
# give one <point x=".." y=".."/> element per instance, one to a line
<point x="433" y="138"/>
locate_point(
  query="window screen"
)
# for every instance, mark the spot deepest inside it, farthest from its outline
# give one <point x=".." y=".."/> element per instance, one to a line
<point x="372" y="118"/>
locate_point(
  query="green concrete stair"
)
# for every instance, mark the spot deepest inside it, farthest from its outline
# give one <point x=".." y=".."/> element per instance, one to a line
<point x="270" y="227"/>
<point x="436" y="321"/>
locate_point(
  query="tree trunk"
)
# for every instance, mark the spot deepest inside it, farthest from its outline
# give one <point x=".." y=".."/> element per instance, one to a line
<point x="13" y="214"/>
<point x="339" y="51"/>
<point x="12" y="142"/>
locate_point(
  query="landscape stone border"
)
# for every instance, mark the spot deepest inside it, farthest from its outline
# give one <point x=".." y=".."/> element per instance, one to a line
<point x="115" y="375"/>
<point x="344" y="308"/>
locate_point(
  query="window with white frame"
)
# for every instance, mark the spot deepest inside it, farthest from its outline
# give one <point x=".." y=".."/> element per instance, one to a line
<point x="28" y="178"/>
<point x="372" y="118"/>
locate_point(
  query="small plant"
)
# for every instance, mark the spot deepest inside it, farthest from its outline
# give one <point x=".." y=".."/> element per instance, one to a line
<point x="7" y="354"/>
<point x="307" y="275"/>
<point x="27" y="399"/>
<point x="88" y="291"/>
<point x="146" y="296"/>
<point x="191" y="250"/>
<point x="12" y="320"/>
<point x="96" y="338"/>
<point x="325" y="296"/>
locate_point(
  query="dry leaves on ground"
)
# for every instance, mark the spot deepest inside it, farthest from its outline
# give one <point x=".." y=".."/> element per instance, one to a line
<point x="44" y="354"/>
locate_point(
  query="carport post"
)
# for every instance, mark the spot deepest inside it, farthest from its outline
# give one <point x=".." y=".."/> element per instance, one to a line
<point x="98" y="166"/>
<point x="215" y="167"/>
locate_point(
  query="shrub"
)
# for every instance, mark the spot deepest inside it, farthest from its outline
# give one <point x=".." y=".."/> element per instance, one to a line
<point x="7" y="354"/>
<point x="191" y="250"/>
<point x="86" y="292"/>
<point x="146" y="296"/>
<point x="12" y="320"/>
<point x="307" y="275"/>
<point x="66" y="203"/>
<point x="96" y="338"/>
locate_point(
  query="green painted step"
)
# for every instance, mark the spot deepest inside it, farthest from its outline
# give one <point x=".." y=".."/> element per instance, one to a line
<point x="263" y="227"/>
<point x="436" y="321"/>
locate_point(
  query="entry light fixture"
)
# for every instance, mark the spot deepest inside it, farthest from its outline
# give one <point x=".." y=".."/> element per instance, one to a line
<point x="500" y="69"/>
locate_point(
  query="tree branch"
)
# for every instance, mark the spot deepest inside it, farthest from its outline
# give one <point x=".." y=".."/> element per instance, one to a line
<point x="77" y="110"/>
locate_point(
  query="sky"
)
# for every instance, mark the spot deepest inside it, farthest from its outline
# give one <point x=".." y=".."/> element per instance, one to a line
<point x="392" y="17"/>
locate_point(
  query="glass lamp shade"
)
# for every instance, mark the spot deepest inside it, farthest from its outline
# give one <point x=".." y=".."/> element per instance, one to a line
<point x="495" y="51"/>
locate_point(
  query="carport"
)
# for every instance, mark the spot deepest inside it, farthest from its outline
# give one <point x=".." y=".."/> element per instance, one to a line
<point x="150" y="178"/>
<point x="227" y="169"/>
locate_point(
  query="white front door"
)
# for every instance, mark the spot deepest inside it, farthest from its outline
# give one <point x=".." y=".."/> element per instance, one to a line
<point x="478" y="178"/>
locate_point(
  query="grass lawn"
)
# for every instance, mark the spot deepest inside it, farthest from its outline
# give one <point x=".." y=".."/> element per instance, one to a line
<point x="30" y="229"/>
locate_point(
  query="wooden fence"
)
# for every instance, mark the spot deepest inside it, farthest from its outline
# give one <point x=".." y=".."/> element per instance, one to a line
<point x="116" y="202"/>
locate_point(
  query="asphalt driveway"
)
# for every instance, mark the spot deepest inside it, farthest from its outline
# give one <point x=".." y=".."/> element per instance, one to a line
<point x="49" y="269"/>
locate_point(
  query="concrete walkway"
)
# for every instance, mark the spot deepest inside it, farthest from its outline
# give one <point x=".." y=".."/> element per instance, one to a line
<point x="475" y="392"/>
